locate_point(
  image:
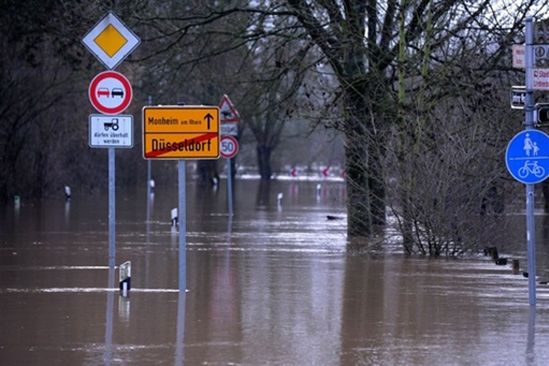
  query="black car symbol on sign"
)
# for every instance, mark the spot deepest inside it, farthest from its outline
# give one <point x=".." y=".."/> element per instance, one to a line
<point x="117" y="92"/>
<point x="112" y="124"/>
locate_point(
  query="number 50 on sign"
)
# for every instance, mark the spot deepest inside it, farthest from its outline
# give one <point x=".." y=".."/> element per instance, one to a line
<point x="228" y="147"/>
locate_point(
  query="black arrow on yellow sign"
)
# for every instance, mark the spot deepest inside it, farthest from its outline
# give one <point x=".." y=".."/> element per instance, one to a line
<point x="208" y="119"/>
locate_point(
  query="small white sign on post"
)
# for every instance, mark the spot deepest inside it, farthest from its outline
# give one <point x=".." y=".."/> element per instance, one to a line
<point x="541" y="55"/>
<point x="518" y="97"/>
<point x="540" y="79"/>
<point x="111" y="131"/>
<point x="518" y="56"/>
<point x="228" y="129"/>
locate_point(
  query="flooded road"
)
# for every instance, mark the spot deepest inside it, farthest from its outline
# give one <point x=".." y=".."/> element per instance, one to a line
<point x="272" y="286"/>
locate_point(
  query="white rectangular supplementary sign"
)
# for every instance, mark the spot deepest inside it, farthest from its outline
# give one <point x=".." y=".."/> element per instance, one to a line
<point x="111" y="131"/>
<point x="540" y="79"/>
<point x="518" y="56"/>
<point x="228" y="129"/>
<point x="518" y="97"/>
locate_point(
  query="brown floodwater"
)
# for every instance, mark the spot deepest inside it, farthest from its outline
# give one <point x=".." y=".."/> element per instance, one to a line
<point x="271" y="286"/>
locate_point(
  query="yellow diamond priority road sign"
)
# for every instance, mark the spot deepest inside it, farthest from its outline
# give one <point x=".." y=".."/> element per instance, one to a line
<point x="111" y="41"/>
<point x="181" y="132"/>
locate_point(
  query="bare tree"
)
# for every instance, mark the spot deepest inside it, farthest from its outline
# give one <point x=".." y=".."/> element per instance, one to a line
<point x="448" y="179"/>
<point x="362" y="42"/>
<point x="278" y="78"/>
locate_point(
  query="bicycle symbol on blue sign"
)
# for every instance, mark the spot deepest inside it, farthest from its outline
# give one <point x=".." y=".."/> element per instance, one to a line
<point x="531" y="168"/>
<point x="527" y="156"/>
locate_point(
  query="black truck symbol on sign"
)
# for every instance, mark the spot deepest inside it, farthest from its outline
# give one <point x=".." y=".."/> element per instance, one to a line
<point x="112" y="124"/>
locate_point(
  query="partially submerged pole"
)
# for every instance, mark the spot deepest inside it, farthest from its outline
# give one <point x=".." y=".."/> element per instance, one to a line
<point x="530" y="193"/>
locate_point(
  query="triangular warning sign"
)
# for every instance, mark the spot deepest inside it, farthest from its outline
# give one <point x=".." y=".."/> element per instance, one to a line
<point x="228" y="113"/>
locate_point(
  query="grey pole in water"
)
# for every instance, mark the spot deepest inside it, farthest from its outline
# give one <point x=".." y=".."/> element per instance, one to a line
<point x="530" y="194"/>
<point x="180" y="330"/>
<point x="230" y="186"/>
<point x="182" y="215"/>
<point x="112" y="208"/>
<point x="531" y="338"/>
<point x="107" y="355"/>
<point x="149" y="102"/>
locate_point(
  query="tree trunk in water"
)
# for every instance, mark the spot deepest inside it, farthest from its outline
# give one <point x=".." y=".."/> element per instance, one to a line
<point x="359" y="219"/>
<point x="262" y="198"/>
<point x="264" y="161"/>
<point x="364" y="165"/>
<point x="207" y="171"/>
<point x="376" y="184"/>
<point x="40" y="174"/>
<point x="359" y="214"/>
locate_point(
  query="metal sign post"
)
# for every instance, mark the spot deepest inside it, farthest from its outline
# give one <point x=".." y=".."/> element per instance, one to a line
<point x="229" y="149"/>
<point x="527" y="155"/>
<point x="111" y="93"/>
<point x="149" y="102"/>
<point x="182" y="225"/>
<point x="228" y="143"/>
<point x="112" y="208"/>
<point x="230" y="187"/>
<point x="530" y="193"/>
<point x="179" y="133"/>
<point x="108" y="353"/>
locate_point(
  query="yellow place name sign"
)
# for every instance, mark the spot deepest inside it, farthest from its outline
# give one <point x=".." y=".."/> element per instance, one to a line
<point x="181" y="132"/>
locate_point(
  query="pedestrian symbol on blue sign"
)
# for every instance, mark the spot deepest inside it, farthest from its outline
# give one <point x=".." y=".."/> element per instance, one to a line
<point x="527" y="156"/>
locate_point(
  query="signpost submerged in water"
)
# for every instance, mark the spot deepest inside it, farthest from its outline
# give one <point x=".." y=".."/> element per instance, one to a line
<point x="181" y="132"/>
<point x="111" y="93"/>
<point x="527" y="154"/>
<point x="229" y="144"/>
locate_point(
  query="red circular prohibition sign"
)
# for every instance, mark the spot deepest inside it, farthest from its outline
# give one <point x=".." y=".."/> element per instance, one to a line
<point x="95" y="92"/>
<point x="228" y="146"/>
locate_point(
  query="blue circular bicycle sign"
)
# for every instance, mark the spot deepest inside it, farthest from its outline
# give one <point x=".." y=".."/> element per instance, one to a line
<point x="527" y="156"/>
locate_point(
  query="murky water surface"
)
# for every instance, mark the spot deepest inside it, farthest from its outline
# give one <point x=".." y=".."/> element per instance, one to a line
<point x="272" y="286"/>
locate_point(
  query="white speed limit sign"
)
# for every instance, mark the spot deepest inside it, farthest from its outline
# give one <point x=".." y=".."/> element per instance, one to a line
<point x="228" y="147"/>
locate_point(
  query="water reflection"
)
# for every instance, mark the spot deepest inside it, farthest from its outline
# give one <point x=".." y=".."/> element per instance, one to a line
<point x="108" y="356"/>
<point x="67" y="213"/>
<point x="263" y="195"/>
<point x="148" y="223"/>
<point x="265" y="287"/>
<point x="531" y="340"/>
<point x="180" y="332"/>
<point x="124" y="307"/>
